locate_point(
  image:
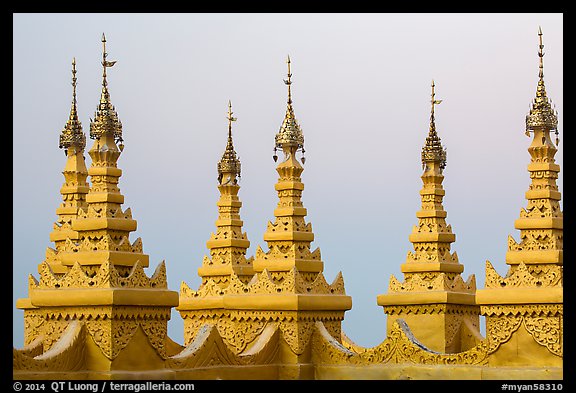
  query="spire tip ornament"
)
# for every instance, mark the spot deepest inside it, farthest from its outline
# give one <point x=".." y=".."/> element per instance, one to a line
<point x="106" y="119"/>
<point x="229" y="167"/>
<point x="290" y="137"/>
<point x="541" y="115"/>
<point x="433" y="150"/>
<point x="72" y="134"/>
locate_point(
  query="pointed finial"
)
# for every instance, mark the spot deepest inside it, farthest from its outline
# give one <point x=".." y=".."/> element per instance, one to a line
<point x="433" y="150"/>
<point x="288" y="81"/>
<point x="290" y="134"/>
<point x="433" y="101"/>
<point x="74" y="83"/>
<point x="541" y="53"/>
<point x="230" y="120"/>
<point x="106" y="119"/>
<point x="229" y="163"/>
<point x="541" y="115"/>
<point x="105" y="63"/>
<point x="104" y="54"/>
<point x="72" y="134"/>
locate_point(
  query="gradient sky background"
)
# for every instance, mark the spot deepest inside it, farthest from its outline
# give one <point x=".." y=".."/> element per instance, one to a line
<point x="361" y="92"/>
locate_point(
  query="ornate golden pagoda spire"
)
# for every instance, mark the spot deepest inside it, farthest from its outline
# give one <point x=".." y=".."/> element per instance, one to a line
<point x="290" y="134"/>
<point x="289" y="237"/>
<point x="103" y="226"/>
<point x="432" y="237"/>
<point x="75" y="187"/>
<point x="287" y="290"/>
<point x="433" y="298"/>
<point x="228" y="246"/>
<point x="103" y="286"/>
<point x="541" y="223"/>
<point x="532" y="289"/>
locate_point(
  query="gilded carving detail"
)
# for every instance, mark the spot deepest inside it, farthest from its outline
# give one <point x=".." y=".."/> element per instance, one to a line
<point x="546" y="331"/>
<point x="264" y="283"/>
<point x="239" y="333"/>
<point x="523" y="277"/>
<point x="432" y="282"/>
<point x="107" y="276"/>
<point x="399" y="347"/>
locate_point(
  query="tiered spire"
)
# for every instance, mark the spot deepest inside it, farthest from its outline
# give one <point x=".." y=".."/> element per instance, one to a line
<point x="104" y="227"/>
<point x="283" y="288"/>
<point x="75" y="187"/>
<point x="432" y="237"/>
<point x="541" y="223"/>
<point x="532" y="289"/>
<point x="102" y="283"/>
<point x="289" y="237"/>
<point x="228" y="246"/>
<point x="433" y="298"/>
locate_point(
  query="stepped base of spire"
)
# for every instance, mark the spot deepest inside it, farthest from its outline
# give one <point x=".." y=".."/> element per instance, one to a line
<point x="99" y="257"/>
<point x="269" y="302"/>
<point x="543" y="223"/>
<point x="423" y="267"/>
<point x="227" y="269"/>
<point x="281" y="265"/>
<point x="63" y="234"/>
<point x="535" y="257"/>
<point x="103" y="197"/>
<point x="101" y="297"/>
<point x="520" y="296"/>
<point x="94" y="224"/>
<point x="429" y="297"/>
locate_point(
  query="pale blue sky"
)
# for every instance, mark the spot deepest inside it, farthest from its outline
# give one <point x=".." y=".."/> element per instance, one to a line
<point x="361" y="92"/>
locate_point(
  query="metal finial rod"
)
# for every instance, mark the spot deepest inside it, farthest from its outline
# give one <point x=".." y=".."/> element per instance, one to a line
<point x="74" y="82"/>
<point x="433" y="102"/>
<point x="230" y="120"/>
<point x="541" y="53"/>
<point x="105" y="63"/>
<point x="289" y="81"/>
<point x="104" y="54"/>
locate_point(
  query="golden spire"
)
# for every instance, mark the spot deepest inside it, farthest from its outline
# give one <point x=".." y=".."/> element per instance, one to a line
<point x="229" y="163"/>
<point x="106" y="119"/>
<point x="289" y="137"/>
<point x="72" y="134"/>
<point x="433" y="150"/>
<point x="541" y="115"/>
